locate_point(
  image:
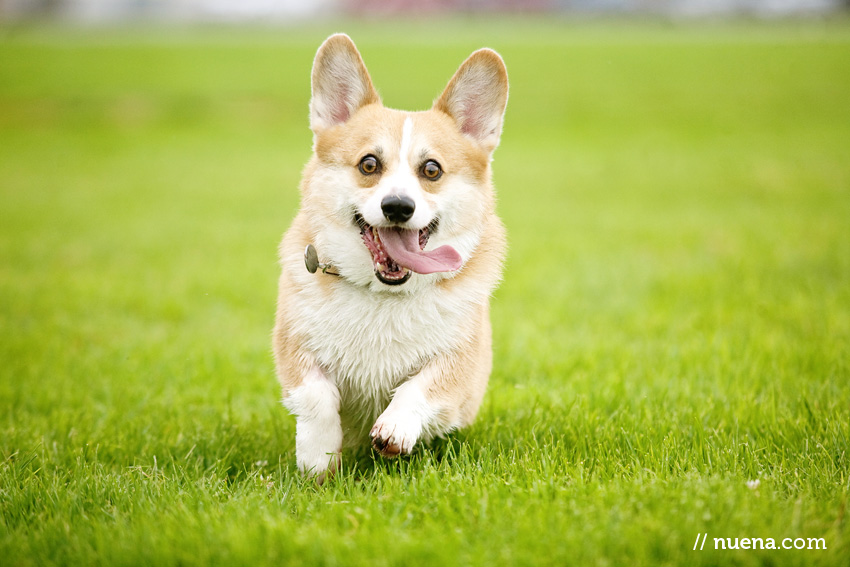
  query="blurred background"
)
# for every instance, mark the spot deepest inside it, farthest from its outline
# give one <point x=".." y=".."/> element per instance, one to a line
<point x="674" y="318"/>
<point x="298" y="10"/>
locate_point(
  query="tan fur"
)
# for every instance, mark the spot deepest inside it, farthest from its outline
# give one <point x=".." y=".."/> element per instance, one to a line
<point x="350" y="122"/>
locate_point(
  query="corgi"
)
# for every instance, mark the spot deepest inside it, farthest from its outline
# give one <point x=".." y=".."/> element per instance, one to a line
<point x="382" y="332"/>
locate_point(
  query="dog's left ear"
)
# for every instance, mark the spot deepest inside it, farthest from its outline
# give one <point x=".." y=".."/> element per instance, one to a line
<point x="341" y="83"/>
<point x="476" y="98"/>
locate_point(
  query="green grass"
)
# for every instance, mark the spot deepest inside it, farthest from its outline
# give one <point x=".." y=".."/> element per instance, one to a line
<point x="674" y="320"/>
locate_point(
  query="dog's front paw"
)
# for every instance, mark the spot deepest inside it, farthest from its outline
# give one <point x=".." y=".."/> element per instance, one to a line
<point x="395" y="434"/>
<point x="320" y="468"/>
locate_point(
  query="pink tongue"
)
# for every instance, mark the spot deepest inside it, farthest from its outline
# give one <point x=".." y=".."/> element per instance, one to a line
<point x="403" y="247"/>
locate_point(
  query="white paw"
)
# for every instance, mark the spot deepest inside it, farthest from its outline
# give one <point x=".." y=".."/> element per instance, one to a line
<point x="319" y="465"/>
<point x="395" y="433"/>
<point x="318" y="443"/>
<point x="318" y="433"/>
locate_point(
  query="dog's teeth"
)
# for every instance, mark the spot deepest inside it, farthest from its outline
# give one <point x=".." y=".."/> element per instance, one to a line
<point x="380" y="267"/>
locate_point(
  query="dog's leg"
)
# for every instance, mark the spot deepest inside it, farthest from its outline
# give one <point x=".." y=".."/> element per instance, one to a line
<point x="318" y="432"/>
<point x="443" y="396"/>
<point x="410" y="412"/>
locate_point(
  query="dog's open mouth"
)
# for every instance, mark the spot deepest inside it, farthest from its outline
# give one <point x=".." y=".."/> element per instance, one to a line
<point x="397" y="253"/>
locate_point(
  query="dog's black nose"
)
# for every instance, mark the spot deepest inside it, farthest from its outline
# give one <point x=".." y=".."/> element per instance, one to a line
<point x="398" y="208"/>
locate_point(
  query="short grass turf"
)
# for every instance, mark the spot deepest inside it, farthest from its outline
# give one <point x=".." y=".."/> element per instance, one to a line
<point x="670" y="340"/>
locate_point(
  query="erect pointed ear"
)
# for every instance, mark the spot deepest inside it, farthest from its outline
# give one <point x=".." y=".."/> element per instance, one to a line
<point x="341" y="83"/>
<point x="476" y="97"/>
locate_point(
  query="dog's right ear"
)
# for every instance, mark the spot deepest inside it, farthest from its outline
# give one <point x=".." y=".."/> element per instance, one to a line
<point x="476" y="98"/>
<point x="341" y="83"/>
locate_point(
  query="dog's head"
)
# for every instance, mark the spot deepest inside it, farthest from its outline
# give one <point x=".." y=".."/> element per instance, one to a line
<point x="391" y="193"/>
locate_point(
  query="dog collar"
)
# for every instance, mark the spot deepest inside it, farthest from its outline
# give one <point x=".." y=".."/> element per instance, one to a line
<point x="311" y="260"/>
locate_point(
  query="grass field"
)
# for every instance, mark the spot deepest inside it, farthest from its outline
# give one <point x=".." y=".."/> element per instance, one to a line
<point x="674" y="321"/>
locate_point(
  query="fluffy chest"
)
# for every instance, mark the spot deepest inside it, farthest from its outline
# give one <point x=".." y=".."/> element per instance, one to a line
<point x="371" y="342"/>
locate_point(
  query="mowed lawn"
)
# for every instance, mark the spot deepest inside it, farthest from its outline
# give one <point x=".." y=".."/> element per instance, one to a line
<point x="671" y="339"/>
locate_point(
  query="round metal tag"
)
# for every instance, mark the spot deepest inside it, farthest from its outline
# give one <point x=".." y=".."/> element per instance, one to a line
<point x="311" y="259"/>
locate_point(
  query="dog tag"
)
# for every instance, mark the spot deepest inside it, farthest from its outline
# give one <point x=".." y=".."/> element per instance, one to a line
<point x="311" y="259"/>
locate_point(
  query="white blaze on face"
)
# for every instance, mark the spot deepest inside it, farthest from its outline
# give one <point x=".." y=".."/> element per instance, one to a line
<point x="402" y="181"/>
<point x="404" y="151"/>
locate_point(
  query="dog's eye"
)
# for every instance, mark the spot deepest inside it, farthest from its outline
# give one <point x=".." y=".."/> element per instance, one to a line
<point x="432" y="170"/>
<point x="369" y="165"/>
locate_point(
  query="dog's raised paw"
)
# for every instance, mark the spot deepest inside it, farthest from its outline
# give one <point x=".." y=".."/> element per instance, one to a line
<point x="392" y="439"/>
<point x="385" y="448"/>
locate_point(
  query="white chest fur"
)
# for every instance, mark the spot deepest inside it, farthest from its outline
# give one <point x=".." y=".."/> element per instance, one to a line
<point x="368" y="343"/>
